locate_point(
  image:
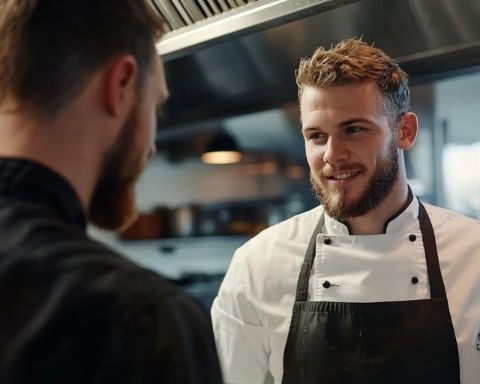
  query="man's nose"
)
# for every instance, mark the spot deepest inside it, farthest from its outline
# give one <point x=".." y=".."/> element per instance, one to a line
<point x="335" y="151"/>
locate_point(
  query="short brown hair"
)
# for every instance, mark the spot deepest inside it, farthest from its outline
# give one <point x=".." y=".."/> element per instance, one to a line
<point x="50" y="48"/>
<point x="353" y="61"/>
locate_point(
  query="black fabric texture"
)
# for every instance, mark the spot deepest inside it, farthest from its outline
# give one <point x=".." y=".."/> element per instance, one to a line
<point x="73" y="311"/>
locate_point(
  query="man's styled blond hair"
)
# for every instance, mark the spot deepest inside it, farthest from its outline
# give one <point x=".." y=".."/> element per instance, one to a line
<point x="352" y="61"/>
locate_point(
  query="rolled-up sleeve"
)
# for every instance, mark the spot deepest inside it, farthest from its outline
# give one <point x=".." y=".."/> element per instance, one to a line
<point x="242" y="342"/>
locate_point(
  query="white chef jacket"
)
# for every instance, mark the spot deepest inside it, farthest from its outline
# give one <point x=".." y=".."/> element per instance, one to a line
<point x="252" y="312"/>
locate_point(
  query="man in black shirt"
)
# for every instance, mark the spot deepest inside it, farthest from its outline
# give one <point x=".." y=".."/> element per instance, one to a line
<point x="80" y="84"/>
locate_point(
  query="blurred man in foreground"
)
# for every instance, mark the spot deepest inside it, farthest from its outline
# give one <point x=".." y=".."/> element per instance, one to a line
<point x="80" y="84"/>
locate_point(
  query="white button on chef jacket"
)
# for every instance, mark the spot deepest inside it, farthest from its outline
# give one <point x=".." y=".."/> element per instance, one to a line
<point x="251" y="314"/>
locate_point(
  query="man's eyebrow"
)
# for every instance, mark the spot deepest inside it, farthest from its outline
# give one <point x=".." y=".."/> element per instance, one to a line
<point x="342" y="124"/>
<point x="311" y="128"/>
<point x="355" y="120"/>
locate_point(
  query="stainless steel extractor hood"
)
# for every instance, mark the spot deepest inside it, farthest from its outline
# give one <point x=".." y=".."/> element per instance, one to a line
<point x="195" y="24"/>
<point x="241" y="72"/>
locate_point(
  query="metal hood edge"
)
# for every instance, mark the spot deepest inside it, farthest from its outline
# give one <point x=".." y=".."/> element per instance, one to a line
<point x="197" y="24"/>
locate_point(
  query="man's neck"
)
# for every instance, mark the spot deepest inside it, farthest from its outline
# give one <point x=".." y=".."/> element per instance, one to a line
<point x="374" y="222"/>
<point x="51" y="146"/>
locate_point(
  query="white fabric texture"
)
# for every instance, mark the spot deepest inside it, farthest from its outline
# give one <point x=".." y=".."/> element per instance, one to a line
<point x="251" y="314"/>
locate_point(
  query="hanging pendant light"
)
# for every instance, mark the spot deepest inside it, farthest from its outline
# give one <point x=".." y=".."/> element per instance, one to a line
<point x="222" y="149"/>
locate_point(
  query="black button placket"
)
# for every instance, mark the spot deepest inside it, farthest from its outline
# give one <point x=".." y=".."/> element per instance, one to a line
<point x="326" y="284"/>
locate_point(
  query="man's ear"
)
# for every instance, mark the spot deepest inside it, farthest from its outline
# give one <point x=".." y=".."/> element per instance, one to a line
<point x="407" y="131"/>
<point x="120" y="85"/>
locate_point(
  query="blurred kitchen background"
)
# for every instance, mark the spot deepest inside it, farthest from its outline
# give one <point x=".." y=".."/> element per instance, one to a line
<point x="230" y="66"/>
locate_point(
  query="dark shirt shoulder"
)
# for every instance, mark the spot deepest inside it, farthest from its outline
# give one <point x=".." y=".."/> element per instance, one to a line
<point x="75" y="311"/>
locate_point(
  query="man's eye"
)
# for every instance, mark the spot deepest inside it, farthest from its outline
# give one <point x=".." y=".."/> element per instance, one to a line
<point x="317" y="136"/>
<point x="352" y="130"/>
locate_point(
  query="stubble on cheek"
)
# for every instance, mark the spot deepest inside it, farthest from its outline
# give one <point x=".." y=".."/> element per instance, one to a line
<point x="377" y="187"/>
<point x="332" y="199"/>
<point x="113" y="205"/>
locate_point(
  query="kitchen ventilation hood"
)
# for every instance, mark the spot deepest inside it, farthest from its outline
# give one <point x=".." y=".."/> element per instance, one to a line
<point x="195" y="24"/>
<point x="217" y="71"/>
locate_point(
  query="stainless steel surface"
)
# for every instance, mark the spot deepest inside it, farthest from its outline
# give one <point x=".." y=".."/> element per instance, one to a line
<point x="170" y="15"/>
<point x="223" y="4"/>
<point x="247" y="18"/>
<point x="214" y="7"/>
<point x="256" y="72"/>
<point x="205" y="8"/>
<point x="182" y="12"/>
<point x="192" y="9"/>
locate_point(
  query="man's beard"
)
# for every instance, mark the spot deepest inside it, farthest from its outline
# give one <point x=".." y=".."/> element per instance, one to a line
<point x="377" y="189"/>
<point x="113" y="205"/>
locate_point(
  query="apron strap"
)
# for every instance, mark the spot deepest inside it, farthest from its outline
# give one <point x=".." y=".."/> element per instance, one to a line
<point x="437" y="288"/>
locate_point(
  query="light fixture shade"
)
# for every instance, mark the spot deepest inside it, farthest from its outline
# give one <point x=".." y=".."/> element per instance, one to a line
<point x="222" y="149"/>
<point x="222" y="142"/>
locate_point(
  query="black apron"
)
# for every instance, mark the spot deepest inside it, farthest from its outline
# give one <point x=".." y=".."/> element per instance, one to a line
<point x="381" y="342"/>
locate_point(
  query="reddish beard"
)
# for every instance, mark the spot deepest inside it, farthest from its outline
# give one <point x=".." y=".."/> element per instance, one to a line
<point x="378" y="187"/>
<point x="113" y="205"/>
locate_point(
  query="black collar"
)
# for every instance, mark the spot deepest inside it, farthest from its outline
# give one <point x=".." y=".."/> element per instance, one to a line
<point x="391" y="218"/>
<point x="400" y="211"/>
<point x="29" y="181"/>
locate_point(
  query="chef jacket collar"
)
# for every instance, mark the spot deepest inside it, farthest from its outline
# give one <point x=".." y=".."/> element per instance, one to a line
<point x="406" y="216"/>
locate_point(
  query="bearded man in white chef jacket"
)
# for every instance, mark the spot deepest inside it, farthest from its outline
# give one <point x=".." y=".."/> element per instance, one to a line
<point x="371" y="286"/>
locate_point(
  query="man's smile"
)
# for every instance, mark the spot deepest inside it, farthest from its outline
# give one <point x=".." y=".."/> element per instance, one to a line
<point x="344" y="175"/>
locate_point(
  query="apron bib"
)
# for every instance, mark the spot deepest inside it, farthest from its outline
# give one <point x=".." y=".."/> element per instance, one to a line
<point x="380" y="342"/>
